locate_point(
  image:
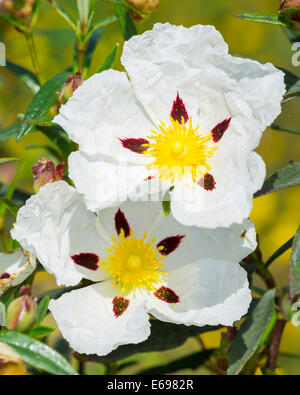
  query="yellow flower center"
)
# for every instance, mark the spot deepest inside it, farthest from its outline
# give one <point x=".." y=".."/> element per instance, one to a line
<point x="178" y="150"/>
<point x="134" y="263"/>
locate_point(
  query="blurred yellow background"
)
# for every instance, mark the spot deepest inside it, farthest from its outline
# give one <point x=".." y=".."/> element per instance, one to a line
<point x="276" y="216"/>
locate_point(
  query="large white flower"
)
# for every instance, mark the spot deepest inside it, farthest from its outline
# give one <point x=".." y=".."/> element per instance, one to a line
<point x="189" y="115"/>
<point x="141" y="261"/>
<point x="15" y="267"/>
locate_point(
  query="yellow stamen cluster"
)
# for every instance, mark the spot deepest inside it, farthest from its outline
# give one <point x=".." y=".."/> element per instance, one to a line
<point x="179" y="151"/>
<point x="134" y="263"/>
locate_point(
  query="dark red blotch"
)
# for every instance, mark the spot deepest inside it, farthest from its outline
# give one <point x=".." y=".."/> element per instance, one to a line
<point x="122" y="223"/>
<point x="167" y="295"/>
<point x="4" y="275"/>
<point x="120" y="304"/>
<point x="169" y="244"/>
<point x="207" y="182"/>
<point x="219" y="130"/>
<point x="87" y="260"/>
<point x="179" y="111"/>
<point x="135" y="145"/>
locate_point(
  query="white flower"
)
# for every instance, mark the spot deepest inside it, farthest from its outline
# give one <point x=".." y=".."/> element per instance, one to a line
<point x="190" y="116"/>
<point x="141" y="261"/>
<point x="15" y="267"/>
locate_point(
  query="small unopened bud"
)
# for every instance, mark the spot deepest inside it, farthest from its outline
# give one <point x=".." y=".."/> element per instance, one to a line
<point x="7" y="5"/>
<point x="45" y="171"/>
<point x="144" y="6"/>
<point x="11" y="362"/>
<point x="18" y="9"/>
<point x="21" y="312"/>
<point x="69" y="87"/>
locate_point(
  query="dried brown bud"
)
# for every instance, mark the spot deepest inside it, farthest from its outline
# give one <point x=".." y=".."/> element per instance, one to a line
<point x="144" y="6"/>
<point x="45" y="171"/>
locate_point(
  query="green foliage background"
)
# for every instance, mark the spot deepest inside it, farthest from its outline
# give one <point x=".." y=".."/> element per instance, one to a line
<point x="276" y="215"/>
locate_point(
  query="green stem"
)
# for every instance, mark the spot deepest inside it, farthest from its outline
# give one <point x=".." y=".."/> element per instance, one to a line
<point x="266" y="275"/>
<point x="33" y="55"/>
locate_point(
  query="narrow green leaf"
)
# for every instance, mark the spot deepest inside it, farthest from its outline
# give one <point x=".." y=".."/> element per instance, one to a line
<point x="19" y="197"/>
<point x="164" y="336"/>
<point x="93" y="42"/>
<point x="41" y="103"/>
<point x="41" y="331"/>
<point x="287" y="177"/>
<point x="192" y="361"/>
<point x="109" y="60"/>
<point x="64" y="13"/>
<point x="28" y="78"/>
<point x="12" y="207"/>
<point x="251" y="332"/>
<point x="42" y="309"/>
<point x="292" y="35"/>
<point x="12" y="21"/>
<point x="292" y="83"/>
<point x="37" y="354"/>
<point x="295" y="267"/>
<point x="59" y="138"/>
<point x="286" y="246"/>
<point x="284" y="129"/>
<point x="291" y="15"/>
<point x="274" y="19"/>
<point x="44" y="121"/>
<point x="4" y="160"/>
<point x="127" y="25"/>
<point x="104" y="22"/>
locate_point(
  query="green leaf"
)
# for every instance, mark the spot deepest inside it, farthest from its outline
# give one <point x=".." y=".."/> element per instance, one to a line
<point x="42" y="309"/>
<point x="109" y="60"/>
<point x="292" y="35"/>
<point x="295" y="267"/>
<point x="41" y="331"/>
<point x="286" y="246"/>
<point x="292" y="83"/>
<point x="291" y="15"/>
<point x="251" y="332"/>
<point x="164" y="336"/>
<point x="287" y="177"/>
<point x="37" y="354"/>
<point x="64" y="13"/>
<point x="12" y="21"/>
<point x="4" y="160"/>
<point x="192" y="361"/>
<point x="126" y="23"/>
<point x="28" y="78"/>
<point x="41" y="102"/>
<point x="104" y="22"/>
<point x="58" y="137"/>
<point x="44" y="121"/>
<point x="93" y="42"/>
<point x="284" y="129"/>
<point x="19" y="197"/>
<point x="274" y="19"/>
<point x="12" y="207"/>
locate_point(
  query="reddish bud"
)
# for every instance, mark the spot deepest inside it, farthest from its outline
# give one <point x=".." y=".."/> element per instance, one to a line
<point x="45" y="171"/>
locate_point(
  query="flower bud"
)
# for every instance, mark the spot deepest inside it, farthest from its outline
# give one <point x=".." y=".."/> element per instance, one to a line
<point x="289" y="4"/>
<point x="21" y="312"/>
<point x="294" y="15"/>
<point x="69" y="87"/>
<point x="144" y="6"/>
<point x="11" y="362"/>
<point x="18" y="9"/>
<point x="45" y="171"/>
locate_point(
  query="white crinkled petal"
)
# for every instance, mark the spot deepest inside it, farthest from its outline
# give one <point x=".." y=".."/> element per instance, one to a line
<point x="102" y="111"/>
<point x="18" y="265"/>
<point x="86" y="319"/>
<point x="105" y="184"/>
<point x="54" y="224"/>
<point x="214" y="86"/>
<point x="211" y="292"/>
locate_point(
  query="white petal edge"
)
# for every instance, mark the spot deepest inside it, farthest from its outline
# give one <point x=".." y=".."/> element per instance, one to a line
<point x="86" y="319"/>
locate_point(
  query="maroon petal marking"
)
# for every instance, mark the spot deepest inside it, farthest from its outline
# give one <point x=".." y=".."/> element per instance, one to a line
<point x="120" y="304"/>
<point x="87" y="260"/>
<point x="167" y="295"/>
<point x="135" y="145"/>
<point x="207" y="182"/>
<point x="220" y="129"/>
<point x="168" y="245"/>
<point x="4" y="275"/>
<point x="179" y="110"/>
<point x="122" y="223"/>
